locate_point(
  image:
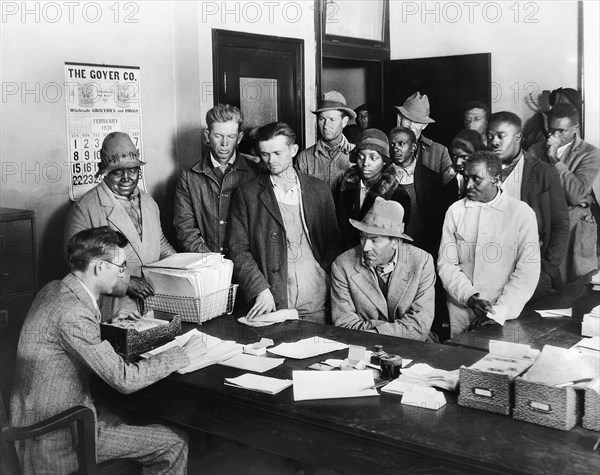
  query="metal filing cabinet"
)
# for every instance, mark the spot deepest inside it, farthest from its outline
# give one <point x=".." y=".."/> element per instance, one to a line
<point x="17" y="284"/>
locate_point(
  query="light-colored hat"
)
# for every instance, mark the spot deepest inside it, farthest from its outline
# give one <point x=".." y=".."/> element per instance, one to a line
<point x="383" y="219"/>
<point x="118" y="151"/>
<point x="334" y="101"/>
<point x="416" y="108"/>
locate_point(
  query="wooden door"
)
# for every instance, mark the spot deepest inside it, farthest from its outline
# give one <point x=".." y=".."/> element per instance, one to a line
<point x="448" y="81"/>
<point x="263" y="76"/>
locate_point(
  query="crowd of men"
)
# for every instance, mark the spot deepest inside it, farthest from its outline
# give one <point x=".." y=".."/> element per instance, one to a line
<point x="471" y="233"/>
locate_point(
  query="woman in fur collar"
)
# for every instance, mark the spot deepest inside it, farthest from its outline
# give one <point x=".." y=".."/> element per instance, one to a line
<point x="371" y="177"/>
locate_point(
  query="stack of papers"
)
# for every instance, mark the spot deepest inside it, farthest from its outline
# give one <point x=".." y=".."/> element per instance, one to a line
<point x="207" y="350"/>
<point x="506" y="358"/>
<point x="190" y="274"/>
<point x="309" y="385"/>
<point x="258" y="364"/>
<point x="144" y="323"/>
<point x="563" y="367"/>
<point x="415" y="394"/>
<point x="558" y="312"/>
<point x="595" y="281"/>
<point x="424" y="375"/>
<point x="271" y="318"/>
<point x="590" y="326"/>
<point x="307" y="348"/>
<point x="258" y="383"/>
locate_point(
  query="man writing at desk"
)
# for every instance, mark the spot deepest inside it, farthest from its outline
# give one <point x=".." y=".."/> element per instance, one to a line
<point x="489" y="259"/>
<point x="384" y="285"/>
<point x="60" y="347"/>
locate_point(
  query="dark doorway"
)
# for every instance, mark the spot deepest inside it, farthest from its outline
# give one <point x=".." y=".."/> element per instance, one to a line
<point x="449" y="83"/>
<point x="263" y="76"/>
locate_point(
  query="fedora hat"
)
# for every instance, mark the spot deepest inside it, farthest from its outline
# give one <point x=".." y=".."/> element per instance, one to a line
<point x="334" y="101"/>
<point x="383" y="219"/>
<point x="416" y="108"/>
<point x="118" y="151"/>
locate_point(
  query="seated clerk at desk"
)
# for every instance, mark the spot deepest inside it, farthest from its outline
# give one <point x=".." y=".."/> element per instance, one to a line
<point x="60" y="347"/>
<point x="383" y="284"/>
<point x="489" y="254"/>
<point x="283" y="232"/>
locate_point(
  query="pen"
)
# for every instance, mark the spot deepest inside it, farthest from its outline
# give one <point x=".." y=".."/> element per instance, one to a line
<point x="597" y="444"/>
<point x="376" y="386"/>
<point x="570" y="383"/>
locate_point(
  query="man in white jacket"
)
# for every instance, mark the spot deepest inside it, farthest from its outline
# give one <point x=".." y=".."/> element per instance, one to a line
<point x="489" y="258"/>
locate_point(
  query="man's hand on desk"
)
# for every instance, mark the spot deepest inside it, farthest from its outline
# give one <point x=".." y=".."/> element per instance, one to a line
<point x="479" y="322"/>
<point x="139" y="288"/>
<point x="479" y="306"/>
<point x="125" y="314"/>
<point x="264" y="303"/>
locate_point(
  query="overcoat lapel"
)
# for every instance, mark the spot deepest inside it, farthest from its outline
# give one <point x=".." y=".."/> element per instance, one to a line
<point x="366" y="282"/>
<point x="267" y="197"/>
<point x="400" y="279"/>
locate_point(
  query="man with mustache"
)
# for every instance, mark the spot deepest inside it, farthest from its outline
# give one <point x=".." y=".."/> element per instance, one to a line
<point x="329" y="158"/>
<point x="203" y="193"/>
<point x="284" y="233"/>
<point x="384" y="284"/>
<point x="536" y="183"/>
<point x="489" y="258"/>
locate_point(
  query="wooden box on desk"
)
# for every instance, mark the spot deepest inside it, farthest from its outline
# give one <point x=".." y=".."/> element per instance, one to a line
<point x="487" y="391"/>
<point x="130" y="343"/>
<point x="551" y="406"/>
<point x="591" y="410"/>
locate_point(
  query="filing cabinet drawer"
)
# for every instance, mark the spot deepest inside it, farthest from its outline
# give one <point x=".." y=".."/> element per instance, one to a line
<point x="16" y="257"/>
<point x="13" y="311"/>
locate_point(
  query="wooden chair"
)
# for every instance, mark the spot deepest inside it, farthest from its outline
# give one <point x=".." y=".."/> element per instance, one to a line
<point x="86" y="435"/>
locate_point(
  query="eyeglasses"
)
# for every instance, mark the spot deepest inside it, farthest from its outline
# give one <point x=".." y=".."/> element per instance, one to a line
<point x="121" y="267"/>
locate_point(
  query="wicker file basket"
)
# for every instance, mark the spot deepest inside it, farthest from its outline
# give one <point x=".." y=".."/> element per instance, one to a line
<point x="486" y="391"/>
<point x="191" y="309"/>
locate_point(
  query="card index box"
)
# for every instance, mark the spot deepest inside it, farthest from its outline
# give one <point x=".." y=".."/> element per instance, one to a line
<point x="551" y="406"/>
<point x="130" y="343"/>
<point x="486" y="391"/>
<point x="591" y="410"/>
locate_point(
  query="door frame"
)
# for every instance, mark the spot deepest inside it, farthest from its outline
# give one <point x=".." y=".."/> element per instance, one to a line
<point x="223" y="38"/>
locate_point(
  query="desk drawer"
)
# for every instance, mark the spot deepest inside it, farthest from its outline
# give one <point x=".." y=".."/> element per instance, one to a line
<point x="16" y="257"/>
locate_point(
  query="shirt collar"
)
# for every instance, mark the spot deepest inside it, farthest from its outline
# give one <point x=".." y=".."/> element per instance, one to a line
<point x="514" y="161"/>
<point x="85" y="287"/>
<point x="561" y="150"/>
<point x="217" y="164"/>
<point x="478" y="204"/>
<point x="386" y="268"/>
<point x="344" y="146"/>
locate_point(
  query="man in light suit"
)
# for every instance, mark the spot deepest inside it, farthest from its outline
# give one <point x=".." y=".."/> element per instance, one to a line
<point x="59" y="348"/>
<point x="283" y="233"/>
<point x="118" y="203"/>
<point x="384" y="284"/>
<point x="489" y="258"/>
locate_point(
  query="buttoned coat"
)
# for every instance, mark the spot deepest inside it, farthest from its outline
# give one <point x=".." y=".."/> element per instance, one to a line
<point x="201" y="209"/>
<point x="435" y="157"/>
<point x="59" y="348"/>
<point x="257" y="237"/>
<point x="491" y="250"/>
<point x="358" y="303"/>
<point x="542" y="191"/>
<point x="99" y="207"/>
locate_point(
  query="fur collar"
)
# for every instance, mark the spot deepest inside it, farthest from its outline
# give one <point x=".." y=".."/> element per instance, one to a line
<point x="386" y="185"/>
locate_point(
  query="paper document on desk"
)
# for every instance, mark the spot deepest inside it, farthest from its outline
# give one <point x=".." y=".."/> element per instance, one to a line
<point x="424" y="397"/>
<point x="500" y="314"/>
<point x="262" y="384"/>
<point x="425" y="375"/>
<point x="307" y="348"/>
<point x="589" y="346"/>
<point x="258" y="364"/>
<point x="271" y="318"/>
<point x="309" y="385"/>
<point x="559" y="367"/>
<point x="557" y="312"/>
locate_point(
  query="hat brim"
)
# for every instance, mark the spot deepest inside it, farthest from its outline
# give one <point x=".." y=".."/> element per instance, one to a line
<point x="347" y="110"/>
<point x="375" y="230"/>
<point x="423" y="119"/>
<point x="133" y="164"/>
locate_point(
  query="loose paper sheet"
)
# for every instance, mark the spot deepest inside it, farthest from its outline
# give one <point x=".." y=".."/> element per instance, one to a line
<point x="258" y="364"/>
<point x="307" y="348"/>
<point x="558" y="312"/>
<point x="333" y="384"/>
<point x="258" y="383"/>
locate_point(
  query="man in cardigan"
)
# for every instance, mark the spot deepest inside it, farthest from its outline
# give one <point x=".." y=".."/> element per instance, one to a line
<point x="384" y="284"/>
<point x="577" y="163"/>
<point x="59" y="348"/>
<point x="284" y="233"/>
<point x="489" y="259"/>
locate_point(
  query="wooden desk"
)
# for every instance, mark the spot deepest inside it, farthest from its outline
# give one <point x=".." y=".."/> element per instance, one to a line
<point x="534" y="330"/>
<point x="359" y="435"/>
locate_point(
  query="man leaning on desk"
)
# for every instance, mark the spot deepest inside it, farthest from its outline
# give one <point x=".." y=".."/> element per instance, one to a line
<point x="384" y="284"/>
<point x="60" y="347"/>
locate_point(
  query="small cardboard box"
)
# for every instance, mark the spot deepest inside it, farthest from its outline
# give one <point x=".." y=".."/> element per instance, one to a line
<point x="489" y="383"/>
<point x="591" y="407"/>
<point x="130" y="343"/>
<point x="551" y="406"/>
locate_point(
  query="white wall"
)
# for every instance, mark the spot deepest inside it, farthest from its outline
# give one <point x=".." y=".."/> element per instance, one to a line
<point x="533" y="44"/>
<point x="591" y="49"/>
